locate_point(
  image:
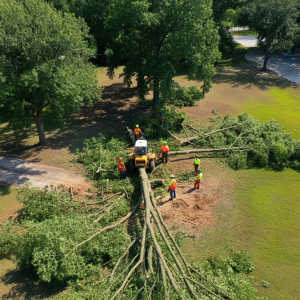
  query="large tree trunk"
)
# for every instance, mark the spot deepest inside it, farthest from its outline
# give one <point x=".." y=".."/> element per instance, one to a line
<point x="156" y="93"/>
<point x="264" y="69"/>
<point x="39" y="126"/>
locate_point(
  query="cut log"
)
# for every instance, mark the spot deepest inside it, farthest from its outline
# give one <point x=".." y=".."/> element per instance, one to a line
<point x="206" y="150"/>
<point x="158" y="181"/>
<point x="103" y="170"/>
<point x="130" y="134"/>
<point x="185" y="140"/>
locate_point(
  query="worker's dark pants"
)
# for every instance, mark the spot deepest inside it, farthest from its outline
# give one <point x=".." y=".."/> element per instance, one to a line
<point x="136" y="137"/>
<point x="172" y="194"/>
<point x="179" y="123"/>
<point x="122" y="174"/>
<point x="160" y="121"/>
<point x="196" y="169"/>
<point x="165" y="156"/>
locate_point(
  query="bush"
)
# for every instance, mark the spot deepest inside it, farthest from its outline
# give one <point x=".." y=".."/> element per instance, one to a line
<point x="237" y="160"/>
<point x="187" y="96"/>
<point x="44" y="247"/>
<point x="39" y="205"/>
<point x="230" y="273"/>
<point x="103" y="150"/>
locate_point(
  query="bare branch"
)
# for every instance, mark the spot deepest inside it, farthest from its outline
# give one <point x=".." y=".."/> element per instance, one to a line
<point x="106" y="228"/>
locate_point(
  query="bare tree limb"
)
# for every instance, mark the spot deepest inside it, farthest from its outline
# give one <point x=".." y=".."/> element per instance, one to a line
<point x="219" y="130"/>
<point x="192" y="127"/>
<point x="132" y="212"/>
<point x="206" y="150"/>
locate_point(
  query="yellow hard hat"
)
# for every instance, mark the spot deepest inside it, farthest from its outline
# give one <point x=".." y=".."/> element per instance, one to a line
<point x="136" y="125"/>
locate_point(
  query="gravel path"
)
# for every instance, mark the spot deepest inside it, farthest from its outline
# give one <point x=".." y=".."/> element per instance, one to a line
<point x="287" y="67"/>
<point x="17" y="172"/>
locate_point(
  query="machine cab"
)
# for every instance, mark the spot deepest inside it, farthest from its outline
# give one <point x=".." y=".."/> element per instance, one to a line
<point x="141" y="147"/>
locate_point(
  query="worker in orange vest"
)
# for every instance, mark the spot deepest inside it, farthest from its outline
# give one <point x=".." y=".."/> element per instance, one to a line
<point x="198" y="179"/>
<point x="172" y="187"/>
<point x="137" y="132"/>
<point x="122" y="168"/>
<point x="165" y="152"/>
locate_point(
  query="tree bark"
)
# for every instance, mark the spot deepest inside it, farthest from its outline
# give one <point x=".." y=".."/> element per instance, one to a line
<point x="186" y="140"/>
<point x="156" y="93"/>
<point x="39" y="126"/>
<point x="206" y="150"/>
<point x="157" y="181"/>
<point x="264" y="69"/>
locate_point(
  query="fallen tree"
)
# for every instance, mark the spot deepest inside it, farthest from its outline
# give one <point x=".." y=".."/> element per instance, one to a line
<point x="206" y="150"/>
<point x="145" y="259"/>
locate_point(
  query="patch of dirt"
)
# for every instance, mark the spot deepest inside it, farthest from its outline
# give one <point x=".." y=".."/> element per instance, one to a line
<point x="15" y="172"/>
<point x="192" y="209"/>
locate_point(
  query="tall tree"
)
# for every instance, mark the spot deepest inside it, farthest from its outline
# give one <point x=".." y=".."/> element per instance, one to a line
<point x="43" y="63"/>
<point x="275" y="22"/>
<point x="154" y="36"/>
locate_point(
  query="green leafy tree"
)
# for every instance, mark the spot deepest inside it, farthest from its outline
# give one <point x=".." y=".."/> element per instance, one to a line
<point x="275" y="22"/>
<point x="152" y="37"/>
<point x="43" y="63"/>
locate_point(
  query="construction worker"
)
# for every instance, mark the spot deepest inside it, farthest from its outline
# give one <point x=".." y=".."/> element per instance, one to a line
<point x="197" y="163"/>
<point x="160" y="117"/>
<point x="122" y="169"/>
<point x="180" y="119"/>
<point x="137" y="132"/>
<point x="172" y="187"/>
<point x="165" y="152"/>
<point x="198" y="179"/>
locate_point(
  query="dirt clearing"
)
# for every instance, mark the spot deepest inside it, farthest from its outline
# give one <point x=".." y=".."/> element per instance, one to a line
<point x="15" y="172"/>
<point x="192" y="209"/>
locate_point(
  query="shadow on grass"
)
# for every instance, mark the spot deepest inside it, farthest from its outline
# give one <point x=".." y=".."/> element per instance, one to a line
<point x="5" y="190"/>
<point x="27" y="286"/>
<point x="118" y="108"/>
<point x="242" y="74"/>
<point x="16" y="172"/>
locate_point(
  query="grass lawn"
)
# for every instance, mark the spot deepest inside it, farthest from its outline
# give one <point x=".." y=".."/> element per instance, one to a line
<point x="246" y="32"/>
<point x="261" y="210"/>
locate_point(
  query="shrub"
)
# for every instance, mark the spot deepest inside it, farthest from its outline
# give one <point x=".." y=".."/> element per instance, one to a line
<point x="44" y="247"/>
<point x="39" y="205"/>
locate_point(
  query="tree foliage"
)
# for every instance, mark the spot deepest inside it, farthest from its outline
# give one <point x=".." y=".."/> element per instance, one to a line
<point x="275" y="22"/>
<point x="39" y="205"/>
<point x="267" y="144"/>
<point x="74" y="243"/>
<point x="153" y="37"/>
<point x="43" y="63"/>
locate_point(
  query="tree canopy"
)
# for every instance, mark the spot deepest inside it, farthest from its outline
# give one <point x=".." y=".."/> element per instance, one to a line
<point x="152" y="37"/>
<point x="43" y="63"/>
<point x="275" y="22"/>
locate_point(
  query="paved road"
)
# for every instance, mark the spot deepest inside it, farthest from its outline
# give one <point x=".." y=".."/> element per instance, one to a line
<point x="287" y="67"/>
<point x="246" y="40"/>
<point x="18" y="172"/>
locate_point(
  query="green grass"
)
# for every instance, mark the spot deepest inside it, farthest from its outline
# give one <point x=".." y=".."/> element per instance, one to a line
<point x="264" y="220"/>
<point x="281" y="105"/>
<point x="270" y="204"/>
<point x="246" y="32"/>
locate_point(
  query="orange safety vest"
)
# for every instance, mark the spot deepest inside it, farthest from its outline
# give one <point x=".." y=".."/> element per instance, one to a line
<point x="137" y="131"/>
<point x="164" y="148"/>
<point x="121" y="165"/>
<point x="173" y="184"/>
